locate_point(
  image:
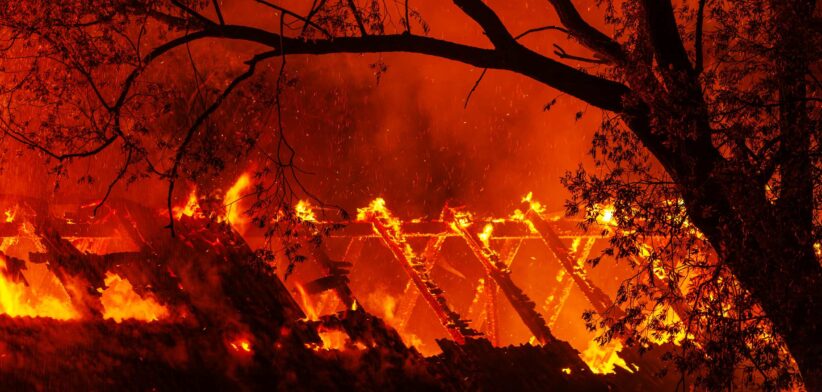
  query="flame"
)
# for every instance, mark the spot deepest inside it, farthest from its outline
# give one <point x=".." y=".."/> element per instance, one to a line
<point x="606" y="215"/>
<point x="10" y="213"/>
<point x="308" y="307"/>
<point x="191" y="208"/>
<point x="121" y="302"/>
<point x="566" y="370"/>
<point x="604" y="359"/>
<point x="18" y="299"/>
<point x="535" y="205"/>
<point x="485" y="236"/>
<point x="305" y="211"/>
<point x="375" y="208"/>
<point x="463" y="219"/>
<point x="232" y="199"/>
<point x="379" y="212"/>
<point x="333" y="339"/>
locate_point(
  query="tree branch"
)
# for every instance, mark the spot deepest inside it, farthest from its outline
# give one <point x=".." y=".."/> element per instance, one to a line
<point x="700" y="20"/>
<point x="193" y="13"/>
<point x="489" y="21"/>
<point x="114" y="182"/>
<point x="218" y="11"/>
<point x="665" y="39"/>
<point x="297" y="16"/>
<point x="599" y="92"/>
<point x="538" y="29"/>
<point x="357" y="17"/>
<point x="474" y="88"/>
<point x="585" y="33"/>
<point x="561" y="53"/>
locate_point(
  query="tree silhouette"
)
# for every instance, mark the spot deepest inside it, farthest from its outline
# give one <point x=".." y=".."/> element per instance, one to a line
<point x="722" y="98"/>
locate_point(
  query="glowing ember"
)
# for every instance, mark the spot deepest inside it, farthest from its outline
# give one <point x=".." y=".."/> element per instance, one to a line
<point x="333" y="339"/>
<point x="18" y="299"/>
<point x="233" y="213"/>
<point x="241" y="345"/>
<point x="120" y="302"/>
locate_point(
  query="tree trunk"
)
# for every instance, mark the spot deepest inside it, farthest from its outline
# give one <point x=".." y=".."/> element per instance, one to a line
<point x="775" y="265"/>
<point x="791" y="298"/>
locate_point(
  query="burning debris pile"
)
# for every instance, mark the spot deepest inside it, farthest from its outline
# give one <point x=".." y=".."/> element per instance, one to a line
<point x="113" y="301"/>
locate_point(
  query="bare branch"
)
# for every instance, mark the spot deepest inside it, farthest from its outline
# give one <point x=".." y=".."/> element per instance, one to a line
<point x="297" y="16"/>
<point x="561" y="53"/>
<point x="407" y="21"/>
<point x="476" y="84"/>
<point x="539" y="29"/>
<point x="114" y="182"/>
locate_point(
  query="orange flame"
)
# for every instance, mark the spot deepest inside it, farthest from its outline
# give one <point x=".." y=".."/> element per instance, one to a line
<point x="18" y="299"/>
<point x="333" y="339"/>
<point x="535" y="205"/>
<point x="604" y="359"/>
<point x="232" y="201"/>
<point x="121" y="302"/>
<point x="10" y="214"/>
<point x="308" y="307"/>
<point x="305" y="211"/>
<point x="485" y="236"/>
<point x="191" y="208"/>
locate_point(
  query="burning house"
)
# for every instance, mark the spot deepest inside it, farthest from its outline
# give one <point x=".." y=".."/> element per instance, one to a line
<point x="111" y="301"/>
